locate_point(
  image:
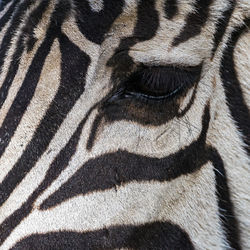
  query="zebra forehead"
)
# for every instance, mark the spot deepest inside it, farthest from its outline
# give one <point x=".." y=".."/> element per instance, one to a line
<point x="96" y="20"/>
<point x="185" y="36"/>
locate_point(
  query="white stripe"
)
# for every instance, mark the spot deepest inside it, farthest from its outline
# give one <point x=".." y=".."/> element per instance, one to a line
<point x="44" y="94"/>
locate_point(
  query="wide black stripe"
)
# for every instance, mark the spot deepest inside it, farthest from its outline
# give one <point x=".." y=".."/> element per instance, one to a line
<point x="156" y="235"/>
<point x="147" y="21"/>
<point x="8" y="15"/>
<point x="194" y="22"/>
<point x="234" y="96"/>
<point x="94" y="25"/>
<point x="171" y="8"/>
<point x="113" y="169"/>
<point x="222" y="24"/>
<point x="226" y="208"/>
<point x="15" y="60"/>
<point x="16" y="20"/>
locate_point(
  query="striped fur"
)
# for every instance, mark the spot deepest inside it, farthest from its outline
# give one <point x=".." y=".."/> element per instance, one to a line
<point x="83" y="167"/>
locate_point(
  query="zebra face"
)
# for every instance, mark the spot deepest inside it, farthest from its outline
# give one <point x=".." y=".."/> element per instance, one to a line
<point x="134" y="60"/>
<point x="124" y="124"/>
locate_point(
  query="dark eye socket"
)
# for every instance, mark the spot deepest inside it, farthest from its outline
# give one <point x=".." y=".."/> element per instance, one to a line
<point x="160" y="83"/>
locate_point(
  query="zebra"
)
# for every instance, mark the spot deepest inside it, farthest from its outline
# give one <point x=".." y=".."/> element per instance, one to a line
<point x="124" y="124"/>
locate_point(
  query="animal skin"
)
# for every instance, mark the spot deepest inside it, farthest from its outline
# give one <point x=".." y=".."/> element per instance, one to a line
<point x="124" y="124"/>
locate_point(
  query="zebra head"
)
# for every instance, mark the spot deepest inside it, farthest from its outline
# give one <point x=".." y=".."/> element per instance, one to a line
<point x="124" y="124"/>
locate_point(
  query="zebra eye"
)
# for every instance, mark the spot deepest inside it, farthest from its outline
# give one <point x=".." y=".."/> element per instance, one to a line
<point x="160" y="83"/>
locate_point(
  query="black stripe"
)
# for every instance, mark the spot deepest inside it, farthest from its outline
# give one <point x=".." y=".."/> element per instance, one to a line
<point x="171" y="8"/>
<point x="147" y="20"/>
<point x="3" y="3"/>
<point x="70" y="89"/>
<point x="194" y="22"/>
<point x="28" y="87"/>
<point x="15" y="60"/>
<point x="222" y="23"/>
<point x="34" y="18"/>
<point x="234" y="96"/>
<point x="8" y="15"/>
<point x="24" y="94"/>
<point x="16" y="20"/>
<point x="113" y="169"/>
<point x="145" y="29"/>
<point x="94" y="128"/>
<point x="14" y="65"/>
<point x="226" y="208"/>
<point x="94" y="25"/>
<point x="156" y="235"/>
<point x="59" y="163"/>
<point x="191" y="102"/>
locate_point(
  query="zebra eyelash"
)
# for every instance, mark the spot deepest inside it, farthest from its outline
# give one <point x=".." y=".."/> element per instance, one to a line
<point x="160" y="83"/>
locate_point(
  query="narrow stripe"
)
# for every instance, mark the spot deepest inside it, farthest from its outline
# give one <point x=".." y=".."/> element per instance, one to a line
<point x="222" y="24"/>
<point x="183" y="112"/>
<point x="15" y="60"/>
<point x="8" y="15"/>
<point x="226" y="208"/>
<point x="33" y="21"/>
<point x="16" y="20"/>
<point x="94" y="129"/>
<point x="24" y="95"/>
<point x="194" y="22"/>
<point x="234" y="96"/>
